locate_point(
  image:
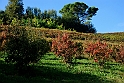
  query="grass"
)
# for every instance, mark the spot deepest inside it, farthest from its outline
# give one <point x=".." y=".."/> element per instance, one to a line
<point x="52" y="70"/>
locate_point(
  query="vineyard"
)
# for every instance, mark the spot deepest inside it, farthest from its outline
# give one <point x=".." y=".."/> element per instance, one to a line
<point x="25" y="47"/>
<point x="63" y="45"/>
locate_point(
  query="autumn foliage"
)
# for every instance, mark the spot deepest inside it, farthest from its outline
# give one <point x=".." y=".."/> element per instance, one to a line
<point x="100" y="51"/>
<point x="118" y="53"/>
<point x="64" y="47"/>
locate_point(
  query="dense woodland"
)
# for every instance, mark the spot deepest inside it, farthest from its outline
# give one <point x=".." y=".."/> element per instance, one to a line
<point x="41" y="47"/>
<point x="74" y="16"/>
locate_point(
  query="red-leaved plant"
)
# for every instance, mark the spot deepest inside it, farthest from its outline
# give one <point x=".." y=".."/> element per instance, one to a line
<point x="65" y="47"/>
<point x="118" y="53"/>
<point x="100" y="51"/>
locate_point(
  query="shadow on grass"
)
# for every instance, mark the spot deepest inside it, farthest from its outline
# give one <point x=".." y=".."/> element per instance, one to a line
<point x="42" y="74"/>
<point x="112" y="67"/>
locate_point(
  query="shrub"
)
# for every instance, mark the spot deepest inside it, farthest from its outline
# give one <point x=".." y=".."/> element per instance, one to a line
<point x="65" y="47"/>
<point x="35" y="22"/>
<point x="79" y="51"/>
<point x="3" y="37"/>
<point x="1" y="21"/>
<point x="23" y="51"/>
<point x="118" y="53"/>
<point x="100" y="51"/>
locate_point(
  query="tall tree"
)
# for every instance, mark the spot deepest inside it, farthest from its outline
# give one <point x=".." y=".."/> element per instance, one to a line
<point x="35" y="11"/>
<point x="49" y="14"/>
<point x="3" y="17"/>
<point x="52" y="14"/>
<point x="76" y="14"/>
<point x="78" y="10"/>
<point x="1" y="14"/>
<point x="29" y="12"/>
<point x="39" y="16"/>
<point x="15" y="9"/>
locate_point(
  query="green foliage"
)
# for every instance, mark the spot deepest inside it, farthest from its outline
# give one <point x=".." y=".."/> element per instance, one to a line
<point x="2" y="14"/>
<point x="50" y="69"/>
<point x="15" y="22"/>
<point x="3" y="17"/>
<point x="78" y="10"/>
<point x="51" y="23"/>
<point x="14" y="9"/>
<point x="35" y="22"/>
<point x="28" y="22"/>
<point x="21" y="50"/>
<point x="1" y="22"/>
<point x="22" y="22"/>
<point x="75" y="15"/>
<point x="60" y="27"/>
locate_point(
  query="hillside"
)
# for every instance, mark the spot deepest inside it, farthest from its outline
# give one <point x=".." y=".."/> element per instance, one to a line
<point x="115" y="38"/>
<point x="49" y="34"/>
<point x="82" y="68"/>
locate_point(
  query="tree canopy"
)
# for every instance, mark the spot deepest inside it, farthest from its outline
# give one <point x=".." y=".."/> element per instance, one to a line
<point x="75" y="16"/>
<point x="15" y="9"/>
<point x="78" y="10"/>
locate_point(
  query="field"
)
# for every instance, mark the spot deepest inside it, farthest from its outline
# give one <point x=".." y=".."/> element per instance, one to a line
<point x="52" y="70"/>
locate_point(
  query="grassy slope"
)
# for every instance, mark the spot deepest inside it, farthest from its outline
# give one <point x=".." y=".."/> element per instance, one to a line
<point x="51" y="70"/>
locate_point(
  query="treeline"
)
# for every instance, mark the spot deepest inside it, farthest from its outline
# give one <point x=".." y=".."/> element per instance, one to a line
<point x="74" y="16"/>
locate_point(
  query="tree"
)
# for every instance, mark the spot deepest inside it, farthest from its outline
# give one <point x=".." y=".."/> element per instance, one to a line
<point x="78" y="13"/>
<point x="14" y="9"/>
<point x="2" y="14"/>
<point x="52" y="13"/>
<point x="64" y="47"/>
<point x="23" y="49"/>
<point x="78" y="10"/>
<point x="29" y="12"/>
<point x="35" y="11"/>
<point x="39" y="16"/>
<point x="3" y="17"/>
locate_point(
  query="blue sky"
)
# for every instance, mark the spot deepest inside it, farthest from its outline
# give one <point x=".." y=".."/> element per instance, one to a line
<point x="109" y="18"/>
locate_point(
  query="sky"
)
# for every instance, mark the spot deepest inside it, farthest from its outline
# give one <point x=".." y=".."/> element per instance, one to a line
<point x="109" y="18"/>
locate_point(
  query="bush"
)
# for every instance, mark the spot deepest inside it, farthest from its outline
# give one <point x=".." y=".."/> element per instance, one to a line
<point x="3" y="37"/>
<point x="21" y="50"/>
<point x="65" y="47"/>
<point x="79" y="51"/>
<point x="99" y="51"/>
<point x="118" y="53"/>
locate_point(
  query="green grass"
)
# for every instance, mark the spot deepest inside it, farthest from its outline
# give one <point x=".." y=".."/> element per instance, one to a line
<point x="52" y="70"/>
